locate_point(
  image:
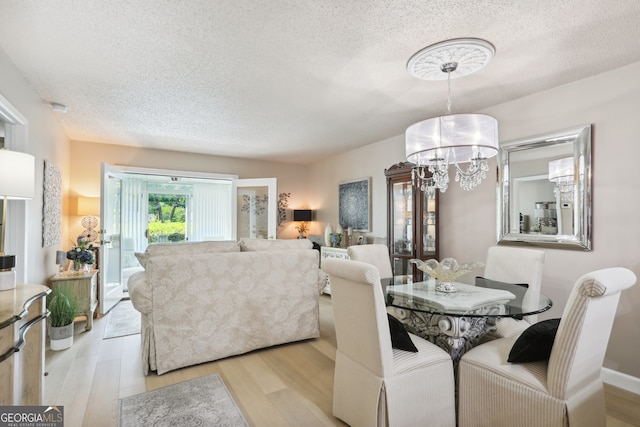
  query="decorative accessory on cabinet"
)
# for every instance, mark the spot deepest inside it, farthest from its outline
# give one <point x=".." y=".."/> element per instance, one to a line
<point x="81" y="255"/>
<point x="17" y="182"/>
<point x="454" y="138"/>
<point x="336" y="240"/>
<point x="328" y="231"/>
<point x="302" y="215"/>
<point x="445" y="272"/>
<point x="561" y="172"/>
<point x="61" y="260"/>
<point x="89" y="207"/>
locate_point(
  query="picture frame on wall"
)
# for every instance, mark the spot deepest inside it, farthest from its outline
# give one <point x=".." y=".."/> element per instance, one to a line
<point x="354" y="204"/>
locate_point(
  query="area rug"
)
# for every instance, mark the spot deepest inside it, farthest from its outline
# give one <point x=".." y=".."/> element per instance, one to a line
<point x="122" y="320"/>
<point x="203" y="401"/>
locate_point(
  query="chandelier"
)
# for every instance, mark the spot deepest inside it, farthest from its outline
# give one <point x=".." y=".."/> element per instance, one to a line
<point x="435" y="143"/>
<point x="561" y="172"/>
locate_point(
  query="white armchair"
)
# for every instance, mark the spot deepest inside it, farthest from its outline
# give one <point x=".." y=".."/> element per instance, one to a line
<point x="374" y="384"/>
<point x="566" y="390"/>
<point x="515" y="265"/>
<point x="376" y="254"/>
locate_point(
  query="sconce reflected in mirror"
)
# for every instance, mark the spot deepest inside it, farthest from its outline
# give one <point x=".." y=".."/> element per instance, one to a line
<point x="561" y="172"/>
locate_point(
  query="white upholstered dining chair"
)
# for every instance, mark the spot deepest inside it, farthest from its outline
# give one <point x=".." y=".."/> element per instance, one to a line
<point x="375" y="254"/>
<point x="375" y="384"/>
<point x="515" y="265"/>
<point x="564" y="391"/>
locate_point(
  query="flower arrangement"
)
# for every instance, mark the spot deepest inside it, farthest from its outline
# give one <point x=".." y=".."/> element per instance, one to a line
<point x="82" y="253"/>
<point x="302" y="228"/>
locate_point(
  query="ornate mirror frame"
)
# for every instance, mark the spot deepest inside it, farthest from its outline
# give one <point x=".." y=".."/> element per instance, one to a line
<point x="523" y="178"/>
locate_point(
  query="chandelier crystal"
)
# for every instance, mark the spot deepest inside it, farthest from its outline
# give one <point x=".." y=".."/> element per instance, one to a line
<point x="455" y="139"/>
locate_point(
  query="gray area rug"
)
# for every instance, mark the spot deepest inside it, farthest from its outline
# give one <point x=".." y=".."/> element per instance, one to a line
<point x="203" y="401"/>
<point x="122" y="320"/>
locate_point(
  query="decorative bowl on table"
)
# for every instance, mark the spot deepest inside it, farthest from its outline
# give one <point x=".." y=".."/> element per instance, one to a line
<point x="445" y="272"/>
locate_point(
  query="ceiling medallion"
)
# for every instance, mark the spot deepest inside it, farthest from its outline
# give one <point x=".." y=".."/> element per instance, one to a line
<point x="469" y="54"/>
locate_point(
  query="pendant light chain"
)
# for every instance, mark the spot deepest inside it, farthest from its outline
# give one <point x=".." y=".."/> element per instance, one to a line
<point x="449" y="92"/>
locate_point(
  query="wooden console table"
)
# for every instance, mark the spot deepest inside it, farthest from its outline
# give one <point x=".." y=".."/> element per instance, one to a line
<point x="22" y="344"/>
<point x="84" y="286"/>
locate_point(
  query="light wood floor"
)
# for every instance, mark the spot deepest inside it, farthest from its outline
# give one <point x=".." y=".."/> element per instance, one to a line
<point x="289" y="385"/>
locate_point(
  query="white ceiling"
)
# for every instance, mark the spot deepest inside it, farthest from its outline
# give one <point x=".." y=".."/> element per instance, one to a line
<point x="293" y="80"/>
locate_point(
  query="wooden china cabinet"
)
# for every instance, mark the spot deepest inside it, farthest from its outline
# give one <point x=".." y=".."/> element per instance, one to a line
<point x="412" y="220"/>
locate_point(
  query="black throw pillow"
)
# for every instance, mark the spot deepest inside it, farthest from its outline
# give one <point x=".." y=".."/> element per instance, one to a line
<point x="399" y="336"/>
<point x="535" y="342"/>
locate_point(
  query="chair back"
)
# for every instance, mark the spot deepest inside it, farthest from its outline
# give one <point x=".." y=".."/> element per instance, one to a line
<point x="376" y="254"/>
<point x="362" y="327"/>
<point x="582" y="337"/>
<point x="517" y="265"/>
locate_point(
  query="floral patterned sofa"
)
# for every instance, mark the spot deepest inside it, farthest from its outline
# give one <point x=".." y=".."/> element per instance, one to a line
<point x="204" y="301"/>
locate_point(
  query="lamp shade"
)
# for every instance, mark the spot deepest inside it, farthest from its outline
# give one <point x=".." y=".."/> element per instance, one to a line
<point x="455" y="137"/>
<point x="88" y="206"/>
<point x="561" y="169"/>
<point x="17" y="175"/>
<point x="302" y="215"/>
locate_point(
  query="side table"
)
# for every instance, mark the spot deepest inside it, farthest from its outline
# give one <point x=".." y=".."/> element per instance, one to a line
<point x="84" y="286"/>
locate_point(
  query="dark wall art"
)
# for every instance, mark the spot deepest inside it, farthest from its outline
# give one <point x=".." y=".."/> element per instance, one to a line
<point x="354" y="204"/>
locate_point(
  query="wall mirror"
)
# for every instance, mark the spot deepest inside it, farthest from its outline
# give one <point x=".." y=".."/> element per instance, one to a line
<point x="544" y="190"/>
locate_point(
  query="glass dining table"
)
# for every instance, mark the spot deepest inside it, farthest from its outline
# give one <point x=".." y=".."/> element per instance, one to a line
<point x="456" y="321"/>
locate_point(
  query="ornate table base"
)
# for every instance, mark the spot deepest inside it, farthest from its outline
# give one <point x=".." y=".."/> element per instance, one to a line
<point x="454" y="334"/>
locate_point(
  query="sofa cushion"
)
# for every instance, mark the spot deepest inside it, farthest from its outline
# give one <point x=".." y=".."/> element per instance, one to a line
<point x="248" y="245"/>
<point x="192" y="248"/>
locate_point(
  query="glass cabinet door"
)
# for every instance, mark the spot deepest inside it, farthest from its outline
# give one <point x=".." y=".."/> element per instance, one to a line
<point x="429" y="225"/>
<point x="402" y="223"/>
<point x="412" y="228"/>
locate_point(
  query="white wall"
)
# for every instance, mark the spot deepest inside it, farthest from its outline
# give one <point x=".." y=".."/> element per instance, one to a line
<point x="46" y="141"/>
<point x="611" y="102"/>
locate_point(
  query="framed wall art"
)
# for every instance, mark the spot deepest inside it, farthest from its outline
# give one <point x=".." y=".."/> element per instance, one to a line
<point x="52" y="205"/>
<point x="354" y="204"/>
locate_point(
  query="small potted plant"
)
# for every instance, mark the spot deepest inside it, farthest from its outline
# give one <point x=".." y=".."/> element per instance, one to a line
<point x="63" y="309"/>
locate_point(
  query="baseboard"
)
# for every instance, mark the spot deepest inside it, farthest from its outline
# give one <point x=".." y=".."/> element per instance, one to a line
<point x="620" y="380"/>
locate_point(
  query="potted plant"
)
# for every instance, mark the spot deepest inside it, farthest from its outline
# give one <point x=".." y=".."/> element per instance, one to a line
<point x="63" y="308"/>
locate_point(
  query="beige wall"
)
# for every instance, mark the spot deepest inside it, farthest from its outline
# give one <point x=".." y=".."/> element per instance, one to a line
<point x="85" y="174"/>
<point x="610" y="102"/>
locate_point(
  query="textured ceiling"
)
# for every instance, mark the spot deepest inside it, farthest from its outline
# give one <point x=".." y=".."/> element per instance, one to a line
<point x="293" y="80"/>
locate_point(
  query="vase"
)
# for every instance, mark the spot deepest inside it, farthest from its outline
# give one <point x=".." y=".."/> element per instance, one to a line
<point x="60" y="338"/>
<point x="77" y="265"/>
<point x="327" y="234"/>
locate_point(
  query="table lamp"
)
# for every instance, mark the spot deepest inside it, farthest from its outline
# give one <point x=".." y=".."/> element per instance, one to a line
<point x="302" y="216"/>
<point x="17" y="182"/>
<point x="89" y="208"/>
